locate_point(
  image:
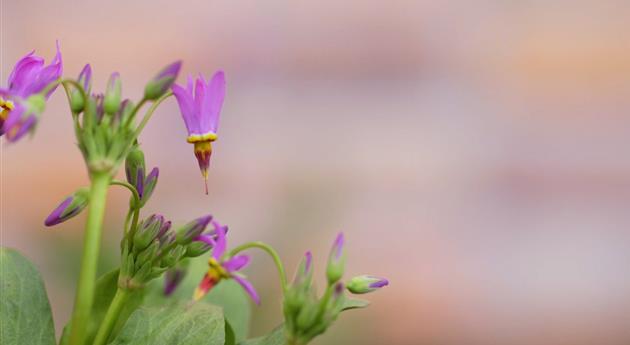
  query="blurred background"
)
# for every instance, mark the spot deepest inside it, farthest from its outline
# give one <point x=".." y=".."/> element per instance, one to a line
<point x="473" y="152"/>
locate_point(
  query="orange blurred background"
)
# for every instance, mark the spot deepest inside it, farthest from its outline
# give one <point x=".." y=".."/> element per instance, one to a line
<point x="473" y="152"/>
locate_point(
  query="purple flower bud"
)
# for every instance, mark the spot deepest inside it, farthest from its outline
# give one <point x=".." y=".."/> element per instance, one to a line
<point x="192" y="230"/>
<point x="85" y="78"/>
<point x="366" y="283"/>
<point x="172" y="279"/>
<point x="162" y="81"/>
<point x="69" y="208"/>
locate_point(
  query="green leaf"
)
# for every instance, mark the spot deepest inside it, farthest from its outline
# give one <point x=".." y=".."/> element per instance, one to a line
<point x="349" y="304"/>
<point x="25" y="316"/>
<point x="197" y="324"/>
<point x="227" y="294"/>
<point x="106" y="287"/>
<point x="229" y="334"/>
<point x="276" y="337"/>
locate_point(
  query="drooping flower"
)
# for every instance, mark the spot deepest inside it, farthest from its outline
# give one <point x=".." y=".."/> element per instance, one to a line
<point x="20" y="102"/>
<point x="223" y="268"/>
<point x="200" y="106"/>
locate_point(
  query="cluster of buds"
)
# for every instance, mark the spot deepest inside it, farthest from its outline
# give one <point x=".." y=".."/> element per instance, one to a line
<point x="307" y="315"/>
<point x="154" y="248"/>
<point x="136" y="176"/>
<point x="105" y="123"/>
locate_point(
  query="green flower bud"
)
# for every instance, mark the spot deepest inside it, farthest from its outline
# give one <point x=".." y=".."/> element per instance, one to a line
<point x="173" y="256"/>
<point x="197" y="248"/>
<point x="113" y="93"/>
<point x="365" y="284"/>
<point x="70" y="207"/>
<point x="147" y="232"/>
<point x="336" y="261"/>
<point x="135" y="168"/>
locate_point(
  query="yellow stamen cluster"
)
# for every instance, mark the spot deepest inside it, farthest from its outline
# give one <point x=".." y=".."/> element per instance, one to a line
<point x="216" y="270"/>
<point x="6" y="106"/>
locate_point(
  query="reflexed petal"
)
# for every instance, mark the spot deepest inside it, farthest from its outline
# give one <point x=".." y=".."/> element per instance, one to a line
<point x="186" y="107"/>
<point x="236" y="263"/>
<point x="23" y="72"/>
<point x="249" y="288"/>
<point x="220" y="245"/>
<point x="214" y="101"/>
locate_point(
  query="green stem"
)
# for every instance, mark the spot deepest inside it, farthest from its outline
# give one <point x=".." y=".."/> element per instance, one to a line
<point x="111" y="317"/>
<point x="274" y="255"/>
<point x="89" y="262"/>
<point x="131" y="188"/>
<point x="150" y="112"/>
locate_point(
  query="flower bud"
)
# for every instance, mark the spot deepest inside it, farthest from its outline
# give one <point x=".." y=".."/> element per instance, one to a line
<point x="77" y="102"/>
<point x="69" y="208"/>
<point x="149" y="185"/>
<point x="111" y="104"/>
<point x="197" y="248"/>
<point x="147" y="232"/>
<point x="305" y="270"/>
<point x="173" y="256"/>
<point x="162" y="81"/>
<point x="190" y="231"/>
<point x="365" y="284"/>
<point x="135" y="169"/>
<point x="172" y="279"/>
<point x="336" y="261"/>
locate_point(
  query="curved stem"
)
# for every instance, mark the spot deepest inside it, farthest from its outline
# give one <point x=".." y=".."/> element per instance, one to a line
<point x="150" y="112"/>
<point x="111" y="316"/>
<point x="272" y="252"/>
<point x="135" y="111"/>
<point x="89" y="262"/>
<point x="132" y="189"/>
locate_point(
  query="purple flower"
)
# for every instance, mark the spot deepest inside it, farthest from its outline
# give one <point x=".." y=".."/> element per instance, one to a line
<point x="28" y="78"/>
<point x="200" y="107"/>
<point x="224" y="268"/>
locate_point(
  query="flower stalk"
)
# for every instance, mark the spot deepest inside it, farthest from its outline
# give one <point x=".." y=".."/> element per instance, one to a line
<point x="91" y="246"/>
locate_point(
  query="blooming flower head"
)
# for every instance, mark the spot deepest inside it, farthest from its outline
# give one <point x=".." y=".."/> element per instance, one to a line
<point x="29" y="78"/>
<point x="223" y="268"/>
<point x="200" y="104"/>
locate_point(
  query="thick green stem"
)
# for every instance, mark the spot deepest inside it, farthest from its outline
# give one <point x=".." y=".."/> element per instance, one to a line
<point x="89" y="262"/>
<point x="274" y="255"/>
<point x="111" y="317"/>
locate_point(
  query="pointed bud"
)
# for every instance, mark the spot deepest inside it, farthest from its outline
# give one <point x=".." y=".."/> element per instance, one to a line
<point x="135" y="169"/>
<point x="69" y="208"/>
<point x="305" y="270"/>
<point x="197" y="248"/>
<point x="113" y="94"/>
<point x="190" y="231"/>
<point x="365" y="284"/>
<point x="336" y="261"/>
<point x="149" y="185"/>
<point x="162" y="81"/>
<point x="147" y="232"/>
<point x="172" y="279"/>
<point x="173" y="256"/>
<point x="77" y="103"/>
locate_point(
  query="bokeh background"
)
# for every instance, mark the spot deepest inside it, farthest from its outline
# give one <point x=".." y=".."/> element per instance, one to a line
<point x="474" y="152"/>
